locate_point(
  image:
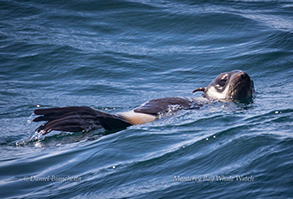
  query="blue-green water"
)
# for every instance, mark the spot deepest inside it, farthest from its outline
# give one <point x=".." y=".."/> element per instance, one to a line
<point x="115" y="55"/>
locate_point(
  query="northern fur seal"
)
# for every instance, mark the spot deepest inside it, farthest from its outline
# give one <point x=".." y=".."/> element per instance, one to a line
<point x="229" y="86"/>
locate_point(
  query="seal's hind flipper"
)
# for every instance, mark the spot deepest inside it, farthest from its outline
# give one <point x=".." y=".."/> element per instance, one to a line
<point x="77" y="119"/>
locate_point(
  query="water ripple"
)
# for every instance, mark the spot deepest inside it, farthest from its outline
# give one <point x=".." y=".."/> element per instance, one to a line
<point x="115" y="55"/>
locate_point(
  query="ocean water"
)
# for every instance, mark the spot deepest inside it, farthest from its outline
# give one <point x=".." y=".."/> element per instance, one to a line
<point x="114" y="55"/>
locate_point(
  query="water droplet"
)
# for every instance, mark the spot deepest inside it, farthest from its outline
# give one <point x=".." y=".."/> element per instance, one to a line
<point x="214" y="136"/>
<point x="114" y="167"/>
<point x="207" y="138"/>
<point x="38" y="105"/>
<point x="38" y="144"/>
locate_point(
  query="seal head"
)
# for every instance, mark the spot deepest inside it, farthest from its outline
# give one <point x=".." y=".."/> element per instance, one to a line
<point x="230" y="86"/>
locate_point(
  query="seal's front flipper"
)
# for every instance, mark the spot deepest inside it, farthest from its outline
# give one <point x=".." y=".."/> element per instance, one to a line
<point x="77" y="119"/>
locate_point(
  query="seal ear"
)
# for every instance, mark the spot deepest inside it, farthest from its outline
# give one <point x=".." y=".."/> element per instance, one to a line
<point x="200" y="89"/>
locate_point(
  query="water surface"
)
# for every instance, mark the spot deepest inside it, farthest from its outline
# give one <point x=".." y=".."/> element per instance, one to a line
<point x="115" y="55"/>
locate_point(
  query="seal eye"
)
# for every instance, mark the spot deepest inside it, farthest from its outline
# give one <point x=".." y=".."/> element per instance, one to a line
<point x="222" y="82"/>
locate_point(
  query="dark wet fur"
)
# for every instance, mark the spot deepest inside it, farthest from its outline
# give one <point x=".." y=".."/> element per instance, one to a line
<point x="157" y="106"/>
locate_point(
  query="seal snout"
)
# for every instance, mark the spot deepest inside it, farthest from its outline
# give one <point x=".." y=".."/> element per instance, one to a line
<point x="241" y="86"/>
<point x="240" y="78"/>
<point x="243" y="75"/>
